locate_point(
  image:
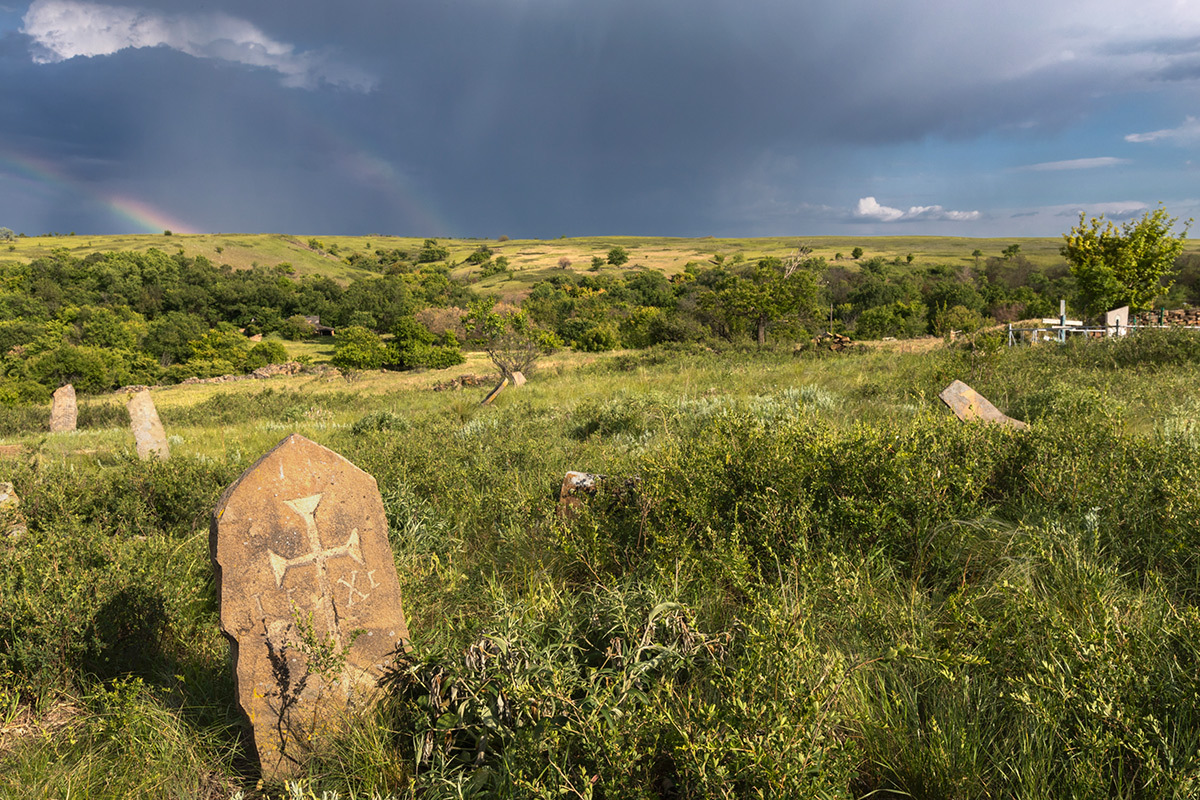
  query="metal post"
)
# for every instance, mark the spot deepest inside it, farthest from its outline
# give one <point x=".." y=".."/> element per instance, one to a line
<point x="1062" y="319"/>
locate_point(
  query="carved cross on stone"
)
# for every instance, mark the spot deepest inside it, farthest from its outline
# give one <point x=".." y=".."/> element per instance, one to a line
<point x="301" y="550"/>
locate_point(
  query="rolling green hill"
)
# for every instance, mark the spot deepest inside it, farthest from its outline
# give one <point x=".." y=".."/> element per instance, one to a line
<point x="531" y="259"/>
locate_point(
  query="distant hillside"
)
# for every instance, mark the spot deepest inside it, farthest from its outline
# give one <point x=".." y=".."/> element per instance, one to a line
<point x="530" y="260"/>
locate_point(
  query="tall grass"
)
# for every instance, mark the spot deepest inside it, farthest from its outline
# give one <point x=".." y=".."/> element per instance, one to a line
<point x="819" y="584"/>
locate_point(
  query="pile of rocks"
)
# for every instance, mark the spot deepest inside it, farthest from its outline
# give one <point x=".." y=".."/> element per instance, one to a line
<point x="836" y="342"/>
<point x="1177" y="316"/>
<point x="262" y="373"/>
<point x="463" y="382"/>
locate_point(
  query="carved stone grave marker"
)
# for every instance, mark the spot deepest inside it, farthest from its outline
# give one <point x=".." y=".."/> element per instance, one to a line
<point x="518" y="379"/>
<point x="969" y="405"/>
<point x="309" y="597"/>
<point x="63" y="410"/>
<point x="148" y="433"/>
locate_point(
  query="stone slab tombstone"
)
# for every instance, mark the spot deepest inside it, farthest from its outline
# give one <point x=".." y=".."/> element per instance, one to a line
<point x="64" y="412"/>
<point x="1117" y="321"/>
<point x="519" y="379"/>
<point x="969" y="405"/>
<point x="494" y="393"/>
<point x="309" y="597"/>
<point x="148" y="433"/>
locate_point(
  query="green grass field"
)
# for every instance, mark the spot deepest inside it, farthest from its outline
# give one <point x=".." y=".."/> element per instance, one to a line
<point x="824" y="585"/>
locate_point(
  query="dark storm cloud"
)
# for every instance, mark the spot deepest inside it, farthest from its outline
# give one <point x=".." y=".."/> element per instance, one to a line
<point x="545" y="116"/>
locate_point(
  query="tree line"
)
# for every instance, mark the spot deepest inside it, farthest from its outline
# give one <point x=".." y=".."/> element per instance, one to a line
<point x="118" y="318"/>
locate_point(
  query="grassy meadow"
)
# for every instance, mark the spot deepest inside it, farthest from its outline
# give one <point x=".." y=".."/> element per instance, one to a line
<point x="823" y="584"/>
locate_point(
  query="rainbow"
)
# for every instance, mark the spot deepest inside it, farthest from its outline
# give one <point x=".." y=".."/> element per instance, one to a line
<point x="142" y="215"/>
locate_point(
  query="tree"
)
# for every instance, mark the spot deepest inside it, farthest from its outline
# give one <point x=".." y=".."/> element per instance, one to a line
<point x="1130" y="265"/>
<point x="764" y="293"/>
<point x="431" y="251"/>
<point x="6" y="235"/>
<point x="510" y="339"/>
<point x="1011" y="251"/>
<point x="856" y="253"/>
<point x="358" y="348"/>
<point x="617" y="256"/>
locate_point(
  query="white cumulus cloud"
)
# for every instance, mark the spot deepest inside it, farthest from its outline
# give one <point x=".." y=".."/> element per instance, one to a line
<point x="869" y="208"/>
<point x="63" y="29"/>
<point x="1186" y="133"/>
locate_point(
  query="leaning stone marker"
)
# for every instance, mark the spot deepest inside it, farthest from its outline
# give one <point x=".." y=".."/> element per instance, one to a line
<point x="63" y="410"/>
<point x="969" y="405"/>
<point x="518" y="379"/>
<point x="308" y="593"/>
<point x="148" y="431"/>
<point x="494" y="393"/>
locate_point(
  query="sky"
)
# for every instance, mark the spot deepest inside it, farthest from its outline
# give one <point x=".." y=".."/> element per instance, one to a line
<point x="548" y="118"/>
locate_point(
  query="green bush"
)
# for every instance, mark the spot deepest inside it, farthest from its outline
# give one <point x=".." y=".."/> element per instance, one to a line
<point x="358" y="348"/>
<point x="264" y="353"/>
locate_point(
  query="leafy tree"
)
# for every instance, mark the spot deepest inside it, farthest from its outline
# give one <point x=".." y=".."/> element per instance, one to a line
<point x="617" y="256"/>
<point x="1129" y="265"/>
<point x="223" y="343"/>
<point x="6" y="235"/>
<point x="295" y="328"/>
<point x="169" y="338"/>
<point x="358" y="348"/>
<point x="431" y="251"/>
<point x="856" y="253"/>
<point x="510" y="339"/>
<point x="266" y="352"/>
<point x="763" y="293"/>
<point x="413" y="346"/>
<point x="482" y="255"/>
<point x="1011" y="251"/>
<point x="597" y="262"/>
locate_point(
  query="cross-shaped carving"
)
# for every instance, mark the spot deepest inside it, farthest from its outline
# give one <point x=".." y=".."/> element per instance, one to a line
<point x="317" y="555"/>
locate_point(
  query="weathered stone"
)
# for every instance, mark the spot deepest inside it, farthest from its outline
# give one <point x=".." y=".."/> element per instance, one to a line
<point x="968" y="405"/>
<point x="63" y="410"/>
<point x="577" y="486"/>
<point x="304" y="567"/>
<point x="12" y="521"/>
<point x="148" y="433"/>
<point x="494" y="393"/>
<point x="518" y="379"/>
<point x="574" y="484"/>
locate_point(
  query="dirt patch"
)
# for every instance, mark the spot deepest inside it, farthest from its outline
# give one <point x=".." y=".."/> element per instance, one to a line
<point x="922" y="345"/>
<point x="25" y="723"/>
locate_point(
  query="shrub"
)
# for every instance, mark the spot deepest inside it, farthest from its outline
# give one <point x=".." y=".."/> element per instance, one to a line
<point x="358" y="348"/>
<point x="266" y="352"/>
